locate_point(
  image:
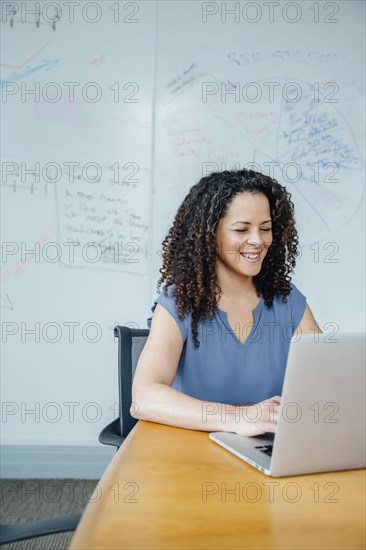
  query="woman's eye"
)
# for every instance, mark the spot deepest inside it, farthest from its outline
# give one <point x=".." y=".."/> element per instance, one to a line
<point x="244" y="230"/>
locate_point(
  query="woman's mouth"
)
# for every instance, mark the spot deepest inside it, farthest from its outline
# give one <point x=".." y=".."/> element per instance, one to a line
<point x="250" y="257"/>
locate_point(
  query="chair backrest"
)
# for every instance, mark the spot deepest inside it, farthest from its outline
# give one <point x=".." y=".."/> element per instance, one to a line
<point x="130" y="344"/>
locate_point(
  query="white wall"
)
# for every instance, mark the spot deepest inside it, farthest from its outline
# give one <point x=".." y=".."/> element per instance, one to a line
<point x="165" y="141"/>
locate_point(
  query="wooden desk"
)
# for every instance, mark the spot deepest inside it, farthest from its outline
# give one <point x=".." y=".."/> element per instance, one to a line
<point x="172" y="488"/>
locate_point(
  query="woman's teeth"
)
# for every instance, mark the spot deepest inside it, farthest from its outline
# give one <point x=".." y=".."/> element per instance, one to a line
<point x="250" y="257"/>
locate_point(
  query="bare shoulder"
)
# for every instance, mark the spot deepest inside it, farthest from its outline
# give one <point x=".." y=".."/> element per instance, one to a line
<point x="159" y="359"/>
<point x="308" y="324"/>
<point x="164" y="327"/>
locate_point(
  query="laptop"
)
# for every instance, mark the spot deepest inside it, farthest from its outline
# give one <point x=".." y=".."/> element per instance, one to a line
<point x="321" y="425"/>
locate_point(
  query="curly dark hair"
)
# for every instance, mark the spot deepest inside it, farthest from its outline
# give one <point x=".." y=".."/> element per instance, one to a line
<point x="190" y="250"/>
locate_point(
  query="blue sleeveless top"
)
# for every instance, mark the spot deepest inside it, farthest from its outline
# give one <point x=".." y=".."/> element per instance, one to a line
<point x="224" y="370"/>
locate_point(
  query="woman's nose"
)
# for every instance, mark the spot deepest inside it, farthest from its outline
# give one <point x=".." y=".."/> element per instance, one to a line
<point x="255" y="238"/>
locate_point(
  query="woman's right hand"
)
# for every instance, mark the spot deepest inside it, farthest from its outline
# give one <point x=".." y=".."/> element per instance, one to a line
<point x="257" y="419"/>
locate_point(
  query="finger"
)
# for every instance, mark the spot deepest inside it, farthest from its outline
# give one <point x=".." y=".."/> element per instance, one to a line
<point x="272" y="417"/>
<point x="269" y="427"/>
<point x="276" y="398"/>
<point x="271" y="411"/>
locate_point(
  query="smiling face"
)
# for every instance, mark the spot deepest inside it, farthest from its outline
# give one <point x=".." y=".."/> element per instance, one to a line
<point x="244" y="236"/>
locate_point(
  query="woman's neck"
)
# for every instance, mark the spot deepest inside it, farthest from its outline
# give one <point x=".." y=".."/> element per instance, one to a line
<point x="235" y="286"/>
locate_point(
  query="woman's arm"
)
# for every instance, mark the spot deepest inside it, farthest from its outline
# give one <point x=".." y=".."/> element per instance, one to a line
<point x="155" y="400"/>
<point x="308" y="325"/>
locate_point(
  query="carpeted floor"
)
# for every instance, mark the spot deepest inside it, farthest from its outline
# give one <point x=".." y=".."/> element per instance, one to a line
<point x="25" y="500"/>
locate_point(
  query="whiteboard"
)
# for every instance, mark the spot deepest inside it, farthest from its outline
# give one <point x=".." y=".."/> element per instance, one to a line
<point x="92" y="184"/>
<point x="76" y="190"/>
<point x="239" y="94"/>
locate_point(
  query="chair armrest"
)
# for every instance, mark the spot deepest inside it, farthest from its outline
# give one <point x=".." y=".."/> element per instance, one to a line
<point x="48" y="526"/>
<point x="110" y="435"/>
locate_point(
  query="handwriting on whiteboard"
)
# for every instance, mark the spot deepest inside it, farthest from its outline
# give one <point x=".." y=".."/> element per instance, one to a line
<point x="107" y="218"/>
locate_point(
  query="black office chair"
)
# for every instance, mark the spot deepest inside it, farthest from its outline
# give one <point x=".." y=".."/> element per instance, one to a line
<point x="130" y="344"/>
<point x="49" y="526"/>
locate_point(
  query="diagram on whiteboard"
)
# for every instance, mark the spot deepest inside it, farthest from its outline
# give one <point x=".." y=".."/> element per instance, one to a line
<point x="290" y="129"/>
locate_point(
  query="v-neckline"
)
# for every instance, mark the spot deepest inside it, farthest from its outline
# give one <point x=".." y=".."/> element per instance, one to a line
<point x="224" y="318"/>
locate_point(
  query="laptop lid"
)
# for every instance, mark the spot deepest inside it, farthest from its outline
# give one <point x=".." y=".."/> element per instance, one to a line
<point x="322" y="415"/>
<point x="321" y="424"/>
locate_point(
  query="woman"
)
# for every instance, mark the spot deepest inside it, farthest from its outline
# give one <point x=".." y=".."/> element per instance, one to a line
<point x="220" y="332"/>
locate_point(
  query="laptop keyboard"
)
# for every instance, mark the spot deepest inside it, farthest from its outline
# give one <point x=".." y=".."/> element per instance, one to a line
<point x="266" y="449"/>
